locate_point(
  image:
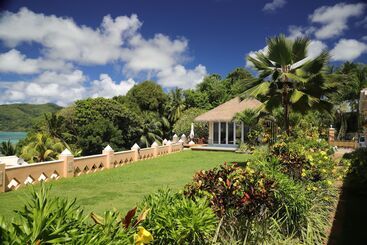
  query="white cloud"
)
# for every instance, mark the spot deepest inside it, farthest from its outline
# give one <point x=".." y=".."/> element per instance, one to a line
<point x="179" y="76"/>
<point x="62" y="38"/>
<point x="299" y="31"/>
<point x="15" y="62"/>
<point x="65" y="46"/>
<point x="154" y="54"/>
<point x="315" y="48"/>
<point x="105" y="87"/>
<point x="333" y="19"/>
<point x="59" y="88"/>
<point x="348" y="50"/>
<point x="274" y="5"/>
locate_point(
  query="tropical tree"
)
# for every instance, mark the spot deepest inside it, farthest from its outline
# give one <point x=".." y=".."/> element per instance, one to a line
<point x="355" y="79"/>
<point x="183" y="125"/>
<point x="41" y="147"/>
<point x="288" y="78"/>
<point x="151" y="129"/>
<point x="54" y="124"/>
<point x="176" y="104"/>
<point x="7" y="148"/>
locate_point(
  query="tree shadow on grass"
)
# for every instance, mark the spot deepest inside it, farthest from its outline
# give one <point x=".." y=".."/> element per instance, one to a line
<point x="350" y="221"/>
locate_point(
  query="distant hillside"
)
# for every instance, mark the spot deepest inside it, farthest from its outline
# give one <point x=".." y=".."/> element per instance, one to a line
<point x="19" y="117"/>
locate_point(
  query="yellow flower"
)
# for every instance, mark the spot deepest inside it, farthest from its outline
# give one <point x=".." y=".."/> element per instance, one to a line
<point x="143" y="236"/>
<point x="323" y="170"/>
<point x="314" y="188"/>
<point x="329" y="182"/>
<point x="303" y="174"/>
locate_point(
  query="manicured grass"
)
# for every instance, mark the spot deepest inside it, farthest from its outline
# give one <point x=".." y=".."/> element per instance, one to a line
<point x="124" y="187"/>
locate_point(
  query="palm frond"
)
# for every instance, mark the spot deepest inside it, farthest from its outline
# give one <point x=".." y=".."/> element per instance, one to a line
<point x="260" y="89"/>
<point x="299" y="49"/>
<point x="316" y="65"/>
<point x="280" y="50"/>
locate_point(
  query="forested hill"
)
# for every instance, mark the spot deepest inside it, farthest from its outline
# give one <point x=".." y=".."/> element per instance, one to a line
<point x="19" y="117"/>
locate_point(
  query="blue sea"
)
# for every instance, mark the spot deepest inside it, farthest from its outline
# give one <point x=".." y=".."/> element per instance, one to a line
<point x="14" y="137"/>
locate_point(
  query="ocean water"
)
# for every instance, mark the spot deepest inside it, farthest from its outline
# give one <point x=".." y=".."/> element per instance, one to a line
<point x="14" y="137"/>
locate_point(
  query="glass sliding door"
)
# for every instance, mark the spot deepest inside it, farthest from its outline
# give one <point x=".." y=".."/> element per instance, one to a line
<point x="216" y="133"/>
<point x="231" y="133"/>
<point x="223" y="132"/>
<point x="238" y="133"/>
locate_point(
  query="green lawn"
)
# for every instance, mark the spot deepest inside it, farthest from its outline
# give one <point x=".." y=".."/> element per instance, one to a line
<point x="124" y="187"/>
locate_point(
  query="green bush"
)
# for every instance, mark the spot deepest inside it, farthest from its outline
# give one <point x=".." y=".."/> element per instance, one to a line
<point x="45" y="220"/>
<point x="174" y="219"/>
<point x="304" y="159"/>
<point x="183" y="125"/>
<point x="357" y="164"/>
<point x="231" y="188"/>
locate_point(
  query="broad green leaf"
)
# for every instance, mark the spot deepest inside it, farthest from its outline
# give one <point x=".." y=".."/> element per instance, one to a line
<point x="260" y="89"/>
<point x="296" y="95"/>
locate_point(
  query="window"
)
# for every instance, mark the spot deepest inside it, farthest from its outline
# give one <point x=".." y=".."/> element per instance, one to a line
<point x="216" y="133"/>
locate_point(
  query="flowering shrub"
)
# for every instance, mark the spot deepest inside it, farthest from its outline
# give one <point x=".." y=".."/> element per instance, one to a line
<point x="304" y="159"/>
<point x="231" y="188"/>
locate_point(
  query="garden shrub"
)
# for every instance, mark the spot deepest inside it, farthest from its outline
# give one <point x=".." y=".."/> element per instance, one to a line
<point x="357" y="163"/>
<point x="55" y="220"/>
<point x="232" y="188"/>
<point x="175" y="219"/>
<point x="304" y="159"/>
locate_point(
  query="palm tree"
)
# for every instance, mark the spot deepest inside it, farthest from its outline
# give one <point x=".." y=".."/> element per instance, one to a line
<point x="42" y="148"/>
<point x="152" y="128"/>
<point x="7" y="148"/>
<point x="176" y="104"/>
<point x="288" y="78"/>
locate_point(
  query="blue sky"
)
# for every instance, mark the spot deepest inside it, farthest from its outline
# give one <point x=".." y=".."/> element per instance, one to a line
<point x="59" y="51"/>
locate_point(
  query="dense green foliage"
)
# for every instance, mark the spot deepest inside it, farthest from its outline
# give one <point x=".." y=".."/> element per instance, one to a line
<point x="7" y="148"/>
<point x="183" y="125"/>
<point x="45" y="220"/>
<point x="20" y="117"/>
<point x="174" y="219"/>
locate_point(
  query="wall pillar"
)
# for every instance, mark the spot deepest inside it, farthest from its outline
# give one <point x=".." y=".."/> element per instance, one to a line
<point x="155" y="147"/>
<point x="68" y="164"/>
<point x="109" y="152"/>
<point x="135" y="148"/>
<point x="2" y="178"/>
<point x="331" y="134"/>
<point x="169" y="144"/>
